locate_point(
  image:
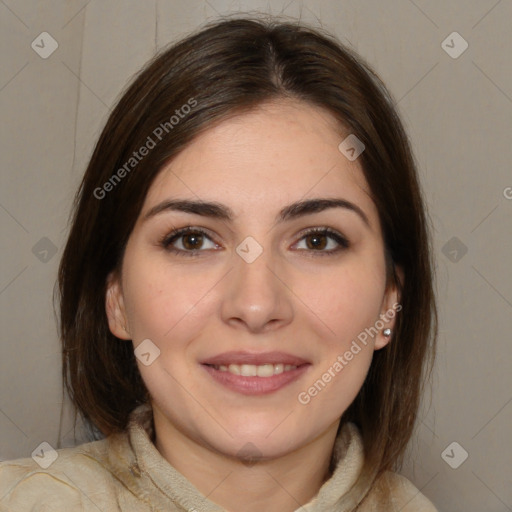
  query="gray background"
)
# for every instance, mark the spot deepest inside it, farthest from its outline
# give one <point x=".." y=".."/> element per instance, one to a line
<point x="458" y="112"/>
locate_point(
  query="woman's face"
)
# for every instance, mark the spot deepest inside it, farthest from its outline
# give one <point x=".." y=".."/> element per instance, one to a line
<point x="256" y="284"/>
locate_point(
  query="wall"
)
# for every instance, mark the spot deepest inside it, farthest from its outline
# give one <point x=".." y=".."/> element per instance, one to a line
<point x="458" y="112"/>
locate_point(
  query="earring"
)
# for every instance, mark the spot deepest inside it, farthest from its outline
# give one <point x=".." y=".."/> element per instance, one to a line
<point x="386" y="332"/>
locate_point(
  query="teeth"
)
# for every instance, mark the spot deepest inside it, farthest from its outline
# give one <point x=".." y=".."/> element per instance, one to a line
<point x="248" y="370"/>
<point x="252" y="370"/>
<point x="278" y="368"/>
<point x="234" y="368"/>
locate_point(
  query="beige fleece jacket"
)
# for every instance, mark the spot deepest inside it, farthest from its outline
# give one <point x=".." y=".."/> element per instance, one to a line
<point x="125" y="472"/>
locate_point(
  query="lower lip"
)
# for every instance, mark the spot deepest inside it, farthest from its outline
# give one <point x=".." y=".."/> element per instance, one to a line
<point x="256" y="385"/>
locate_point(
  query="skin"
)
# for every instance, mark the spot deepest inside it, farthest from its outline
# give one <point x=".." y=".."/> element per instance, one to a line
<point x="291" y="298"/>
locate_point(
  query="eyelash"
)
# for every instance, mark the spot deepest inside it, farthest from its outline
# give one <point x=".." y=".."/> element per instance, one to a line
<point x="168" y="239"/>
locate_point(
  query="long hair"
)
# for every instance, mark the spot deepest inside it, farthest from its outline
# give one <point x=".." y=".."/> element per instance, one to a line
<point x="223" y="69"/>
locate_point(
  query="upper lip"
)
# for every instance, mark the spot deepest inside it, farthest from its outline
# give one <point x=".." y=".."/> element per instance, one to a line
<point x="240" y="357"/>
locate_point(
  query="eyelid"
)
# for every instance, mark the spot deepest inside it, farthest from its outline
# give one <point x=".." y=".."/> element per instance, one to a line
<point x="167" y="239"/>
<point x="340" y="239"/>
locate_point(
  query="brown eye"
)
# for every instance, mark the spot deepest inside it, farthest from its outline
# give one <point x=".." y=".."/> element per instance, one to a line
<point x="188" y="241"/>
<point x="192" y="241"/>
<point x="323" y="241"/>
<point x="316" y="241"/>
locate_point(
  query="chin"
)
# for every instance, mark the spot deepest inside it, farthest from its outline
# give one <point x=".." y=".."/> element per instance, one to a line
<point x="267" y="439"/>
<point x="252" y="449"/>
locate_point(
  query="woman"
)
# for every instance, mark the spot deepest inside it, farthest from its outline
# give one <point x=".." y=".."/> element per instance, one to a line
<point x="246" y="296"/>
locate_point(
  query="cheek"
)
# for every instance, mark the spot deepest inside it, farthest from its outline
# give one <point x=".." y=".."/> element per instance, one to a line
<point x="163" y="301"/>
<point x="348" y="303"/>
<point x="345" y="300"/>
<point x="335" y="385"/>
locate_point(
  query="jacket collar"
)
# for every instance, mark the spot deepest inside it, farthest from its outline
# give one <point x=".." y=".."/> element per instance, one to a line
<point x="148" y="475"/>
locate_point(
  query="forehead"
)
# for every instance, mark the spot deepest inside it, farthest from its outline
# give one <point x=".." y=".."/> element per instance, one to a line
<point x="278" y="153"/>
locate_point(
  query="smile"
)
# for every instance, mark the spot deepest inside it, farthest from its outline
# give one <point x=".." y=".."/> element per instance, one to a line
<point x="249" y="379"/>
<point x="252" y="370"/>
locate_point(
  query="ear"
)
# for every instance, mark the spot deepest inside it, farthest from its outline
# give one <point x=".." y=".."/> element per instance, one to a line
<point x="114" y="306"/>
<point x="391" y="307"/>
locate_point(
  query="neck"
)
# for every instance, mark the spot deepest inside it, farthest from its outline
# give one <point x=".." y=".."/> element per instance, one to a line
<point x="281" y="484"/>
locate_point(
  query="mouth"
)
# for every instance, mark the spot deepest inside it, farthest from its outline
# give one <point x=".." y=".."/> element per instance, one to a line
<point x="255" y="374"/>
<point x="252" y="370"/>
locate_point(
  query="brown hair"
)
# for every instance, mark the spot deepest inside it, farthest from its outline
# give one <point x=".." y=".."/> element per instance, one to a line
<point x="226" y="68"/>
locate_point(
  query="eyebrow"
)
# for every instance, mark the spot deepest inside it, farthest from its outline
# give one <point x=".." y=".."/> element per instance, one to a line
<point x="222" y="212"/>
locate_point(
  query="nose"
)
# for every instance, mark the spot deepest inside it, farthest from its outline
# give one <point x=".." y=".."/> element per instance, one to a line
<point x="257" y="297"/>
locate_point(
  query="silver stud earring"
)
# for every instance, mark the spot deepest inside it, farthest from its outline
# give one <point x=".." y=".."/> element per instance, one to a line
<point x="386" y="332"/>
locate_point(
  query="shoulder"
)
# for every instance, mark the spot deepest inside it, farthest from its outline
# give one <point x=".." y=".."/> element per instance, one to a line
<point x="393" y="492"/>
<point x="65" y="479"/>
